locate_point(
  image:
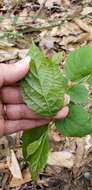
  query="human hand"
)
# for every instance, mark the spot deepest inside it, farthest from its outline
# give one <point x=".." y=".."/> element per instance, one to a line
<point x="14" y="114"/>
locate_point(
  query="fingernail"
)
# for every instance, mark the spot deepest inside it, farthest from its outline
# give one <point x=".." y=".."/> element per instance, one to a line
<point x="27" y="60"/>
<point x="25" y="63"/>
<point x="67" y="110"/>
<point x="68" y="99"/>
<point x="62" y="113"/>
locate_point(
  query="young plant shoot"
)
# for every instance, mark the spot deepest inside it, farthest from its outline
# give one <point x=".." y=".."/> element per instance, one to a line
<point x="43" y="91"/>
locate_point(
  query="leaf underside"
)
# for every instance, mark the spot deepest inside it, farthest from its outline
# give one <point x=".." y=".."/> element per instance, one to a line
<point x="35" y="149"/>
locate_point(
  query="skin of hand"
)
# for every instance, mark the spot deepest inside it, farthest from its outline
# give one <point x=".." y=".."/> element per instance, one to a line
<point x="14" y="114"/>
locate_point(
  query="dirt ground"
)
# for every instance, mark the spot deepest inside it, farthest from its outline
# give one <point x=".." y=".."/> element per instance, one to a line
<point x="55" y="25"/>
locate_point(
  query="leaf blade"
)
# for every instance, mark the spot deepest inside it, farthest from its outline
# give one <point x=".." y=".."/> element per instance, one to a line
<point x="35" y="149"/>
<point x="77" y="124"/>
<point x="78" y="94"/>
<point x="30" y="136"/>
<point x="43" y="87"/>
<point x="79" y="63"/>
<point x="38" y="160"/>
<point x="57" y="57"/>
<point x="90" y="80"/>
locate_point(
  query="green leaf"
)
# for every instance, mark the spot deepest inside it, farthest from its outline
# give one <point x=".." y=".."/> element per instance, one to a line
<point x="79" y="63"/>
<point x="32" y="148"/>
<point x="30" y="136"/>
<point x="90" y="80"/>
<point x="36" y="150"/>
<point x="43" y="87"/>
<point x="77" y="124"/>
<point x="78" y="94"/>
<point x="38" y="160"/>
<point x="57" y="58"/>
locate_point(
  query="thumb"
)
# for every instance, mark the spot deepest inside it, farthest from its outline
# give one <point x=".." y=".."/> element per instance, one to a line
<point x="11" y="73"/>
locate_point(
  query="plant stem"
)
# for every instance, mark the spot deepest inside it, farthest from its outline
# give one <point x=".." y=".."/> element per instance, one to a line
<point x="39" y="27"/>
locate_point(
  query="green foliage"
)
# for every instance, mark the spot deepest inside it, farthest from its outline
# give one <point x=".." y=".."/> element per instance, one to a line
<point x="90" y="80"/>
<point x="43" y="91"/>
<point x="57" y="57"/>
<point x="79" y="63"/>
<point x="35" y="149"/>
<point x="43" y="87"/>
<point x="77" y="124"/>
<point x="78" y="93"/>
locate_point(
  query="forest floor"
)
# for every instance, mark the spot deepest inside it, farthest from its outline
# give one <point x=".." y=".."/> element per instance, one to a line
<point x="55" y="25"/>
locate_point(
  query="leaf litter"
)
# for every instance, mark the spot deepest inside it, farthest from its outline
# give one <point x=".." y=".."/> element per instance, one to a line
<point x="63" y="25"/>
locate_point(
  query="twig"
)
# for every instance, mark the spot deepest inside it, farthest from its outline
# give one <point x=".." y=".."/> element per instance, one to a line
<point x="19" y="32"/>
<point x="40" y="27"/>
<point x="34" y="184"/>
<point x="41" y="7"/>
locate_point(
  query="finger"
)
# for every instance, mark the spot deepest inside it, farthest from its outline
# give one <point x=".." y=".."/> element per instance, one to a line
<point x="21" y="111"/>
<point x="2" y="127"/>
<point x="18" y="125"/>
<point x="62" y="113"/>
<point x="66" y="99"/>
<point x="11" y="95"/>
<point x="11" y="73"/>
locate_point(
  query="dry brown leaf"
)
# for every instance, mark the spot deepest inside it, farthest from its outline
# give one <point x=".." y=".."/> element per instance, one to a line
<point x="55" y="136"/>
<point x="83" y="25"/>
<point x="68" y="28"/>
<point x="65" y="2"/>
<point x="6" y="24"/>
<point x="13" y="165"/>
<point x="3" y="166"/>
<point x="8" y="54"/>
<point x="66" y="40"/>
<point x="11" y="3"/>
<point x="4" y="147"/>
<point x="47" y="42"/>
<point x="84" y="37"/>
<point x="80" y="152"/>
<point x="86" y="11"/>
<point x="4" y="43"/>
<point x="17" y="182"/>
<point x="88" y="141"/>
<point x="49" y="3"/>
<point x="63" y="159"/>
<point x="5" y="180"/>
<point x="71" y="39"/>
<point x="22" y="53"/>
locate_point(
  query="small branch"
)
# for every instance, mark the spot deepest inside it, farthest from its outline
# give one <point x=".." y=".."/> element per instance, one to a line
<point x="19" y="31"/>
<point x="40" y="27"/>
<point x="41" y="7"/>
